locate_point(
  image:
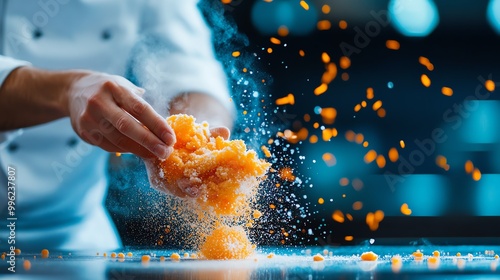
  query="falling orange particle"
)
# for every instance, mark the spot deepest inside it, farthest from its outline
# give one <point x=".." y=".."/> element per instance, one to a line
<point x="357" y="107"/>
<point x="236" y="53"/>
<point x="476" y="174"/>
<point x="405" y="210"/>
<point x="328" y="114"/>
<point x="489" y="85"/>
<point x="266" y="151"/>
<point x="392" y="45"/>
<point x="358" y="205"/>
<point x="357" y="184"/>
<point x="349" y="238"/>
<point x="373" y="219"/>
<point x="363" y="104"/>
<point x="345" y="76"/>
<point x="313" y="139"/>
<point x="321" y="200"/>
<point x="289" y="99"/>
<point x="402" y="144"/>
<point x="307" y="117"/>
<point x="369" y="93"/>
<point x="324" y="25"/>
<point x="321" y="89"/>
<point x="304" y="5"/>
<point x="316" y="125"/>
<point x="426" y="62"/>
<point x="226" y="1"/>
<point x="447" y="91"/>
<point x="381" y="113"/>
<point x="118" y="154"/>
<point x="269" y="50"/>
<point x="441" y="161"/>
<point x="302" y="53"/>
<point x="342" y="24"/>
<point x="343" y="182"/>
<point x="325" y="58"/>
<point x="325" y="9"/>
<point x="377" y="105"/>
<point x="381" y="161"/>
<point x="329" y="74"/>
<point x="370" y="156"/>
<point x="286" y="173"/>
<point x="393" y="155"/>
<point x="272" y="206"/>
<point x="425" y="80"/>
<point x="349" y="217"/>
<point x="359" y="138"/>
<point x="145" y="258"/>
<point x="327" y="133"/>
<point x="283" y="31"/>
<point x="275" y="40"/>
<point x="338" y="216"/>
<point x="329" y="159"/>
<point x="27" y="265"/>
<point x="365" y="144"/>
<point x="350" y="135"/>
<point x="469" y="167"/>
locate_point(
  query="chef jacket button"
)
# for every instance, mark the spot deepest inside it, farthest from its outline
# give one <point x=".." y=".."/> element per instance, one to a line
<point x="72" y="142"/>
<point x="12" y="147"/>
<point x="106" y="35"/>
<point x="37" y="33"/>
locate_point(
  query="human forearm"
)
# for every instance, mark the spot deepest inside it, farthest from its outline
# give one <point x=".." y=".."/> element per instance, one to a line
<point x="31" y="96"/>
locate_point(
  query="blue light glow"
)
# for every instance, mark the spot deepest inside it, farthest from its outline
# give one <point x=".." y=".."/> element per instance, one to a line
<point x="493" y="14"/>
<point x="487" y="193"/>
<point x="425" y="194"/>
<point x="414" y="18"/>
<point x="267" y="17"/>
<point x="480" y="122"/>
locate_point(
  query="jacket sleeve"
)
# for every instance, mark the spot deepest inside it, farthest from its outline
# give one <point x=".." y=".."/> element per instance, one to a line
<point x="7" y="65"/>
<point x="176" y="54"/>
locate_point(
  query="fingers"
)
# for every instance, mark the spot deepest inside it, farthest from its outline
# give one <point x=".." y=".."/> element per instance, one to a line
<point x="221" y="131"/>
<point x="144" y="113"/>
<point x="188" y="188"/>
<point x="129" y="132"/>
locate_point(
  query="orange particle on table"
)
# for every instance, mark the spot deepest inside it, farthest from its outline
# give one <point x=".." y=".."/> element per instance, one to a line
<point x="175" y="257"/>
<point x="145" y="258"/>
<point x="226" y="243"/>
<point x="369" y="256"/>
<point x="218" y="167"/>
<point x="17" y="251"/>
<point x="318" y="258"/>
<point x="45" y="253"/>
<point x="27" y="265"/>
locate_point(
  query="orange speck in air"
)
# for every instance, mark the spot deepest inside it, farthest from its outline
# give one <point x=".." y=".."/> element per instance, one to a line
<point x="345" y="76"/>
<point x="358" y="205"/>
<point x="476" y="174"/>
<point x="289" y="99"/>
<point x="392" y="45"/>
<point x="275" y="40"/>
<point x="321" y="200"/>
<point x="489" y="85"/>
<point x="350" y="135"/>
<point x="304" y="5"/>
<point x="402" y="144"/>
<point x="329" y="159"/>
<point x="447" y="91"/>
<point x="425" y="80"/>
<point x="313" y="139"/>
<point x="469" y="167"/>
<point x="369" y="93"/>
<point x="377" y="105"/>
<point x="357" y="107"/>
<point x="343" y="24"/>
<point x="344" y="181"/>
<point x="338" y="216"/>
<point x="321" y="89"/>
<point x="380" y="161"/>
<point x="344" y="62"/>
<point x="236" y="53"/>
<point x="269" y="50"/>
<point x="328" y="114"/>
<point x="302" y="53"/>
<point x="325" y="58"/>
<point x="370" y="156"/>
<point x="426" y="62"/>
<point x="405" y="210"/>
<point x="286" y="173"/>
<point x="226" y="1"/>
<point x="349" y="238"/>
<point x="393" y="154"/>
<point x="325" y="9"/>
<point x="266" y="151"/>
<point x="324" y="25"/>
<point x="381" y="112"/>
<point x="283" y="31"/>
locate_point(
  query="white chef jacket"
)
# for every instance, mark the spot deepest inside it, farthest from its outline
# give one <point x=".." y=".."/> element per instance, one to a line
<point x="61" y="180"/>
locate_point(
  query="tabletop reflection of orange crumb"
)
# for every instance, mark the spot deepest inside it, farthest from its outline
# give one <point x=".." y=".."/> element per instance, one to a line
<point x="224" y="171"/>
<point x="226" y="243"/>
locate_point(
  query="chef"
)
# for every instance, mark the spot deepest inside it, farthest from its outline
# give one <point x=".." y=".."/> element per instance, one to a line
<point x="65" y="105"/>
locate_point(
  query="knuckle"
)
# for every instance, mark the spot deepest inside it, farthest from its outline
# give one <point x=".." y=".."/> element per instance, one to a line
<point x="123" y="123"/>
<point x="120" y="141"/>
<point x="139" y="107"/>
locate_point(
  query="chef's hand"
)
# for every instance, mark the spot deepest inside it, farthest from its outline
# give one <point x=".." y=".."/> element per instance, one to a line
<point x="108" y="111"/>
<point x="183" y="187"/>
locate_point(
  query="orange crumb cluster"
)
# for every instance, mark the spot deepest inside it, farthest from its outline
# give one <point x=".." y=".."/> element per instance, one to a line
<point x="369" y="256"/>
<point x="226" y="243"/>
<point x="225" y="171"/>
